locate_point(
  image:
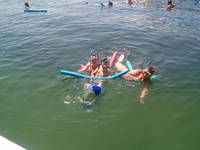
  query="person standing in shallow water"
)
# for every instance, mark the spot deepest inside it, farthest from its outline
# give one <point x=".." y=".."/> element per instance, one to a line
<point x="137" y="75"/>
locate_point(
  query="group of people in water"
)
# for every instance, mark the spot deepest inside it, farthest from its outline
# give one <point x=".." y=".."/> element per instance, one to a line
<point x="169" y="6"/>
<point x="95" y="68"/>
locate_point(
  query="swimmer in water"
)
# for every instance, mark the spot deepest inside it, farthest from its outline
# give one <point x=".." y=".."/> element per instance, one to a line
<point x="94" y="87"/>
<point x="137" y="75"/>
<point x="102" y="71"/>
<point x="130" y="2"/>
<point x="27" y="6"/>
<point x="110" y="4"/>
<point x="169" y="5"/>
<point x="92" y="65"/>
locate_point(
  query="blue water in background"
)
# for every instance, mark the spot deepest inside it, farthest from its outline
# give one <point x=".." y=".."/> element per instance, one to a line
<point x="35" y="46"/>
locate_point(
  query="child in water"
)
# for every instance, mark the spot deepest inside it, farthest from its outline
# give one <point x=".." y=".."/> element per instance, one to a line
<point x="94" y="87"/>
<point x="91" y="66"/>
<point x="102" y="71"/>
<point x="137" y="75"/>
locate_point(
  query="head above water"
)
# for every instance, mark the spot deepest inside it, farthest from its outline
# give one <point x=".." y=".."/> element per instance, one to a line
<point x="148" y="72"/>
<point x="151" y="69"/>
<point x="26" y="4"/>
<point x="110" y="4"/>
<point x="169" y="2"/>
<point x="105" y="63"/>
<point x="94" y="58"/>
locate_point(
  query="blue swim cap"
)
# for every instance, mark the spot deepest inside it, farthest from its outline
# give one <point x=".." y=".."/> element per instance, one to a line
<point x="96" y="89"/>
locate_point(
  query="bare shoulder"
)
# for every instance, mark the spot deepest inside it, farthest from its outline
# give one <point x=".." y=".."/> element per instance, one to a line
<point x="136" y="71"/>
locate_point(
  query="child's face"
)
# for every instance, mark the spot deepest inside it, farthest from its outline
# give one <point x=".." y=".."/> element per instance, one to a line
<point x="94" y="59"/>
<point x="105" y="64"/>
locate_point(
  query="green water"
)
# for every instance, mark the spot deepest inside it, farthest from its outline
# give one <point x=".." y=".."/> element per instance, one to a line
<point x="35" y="46"/>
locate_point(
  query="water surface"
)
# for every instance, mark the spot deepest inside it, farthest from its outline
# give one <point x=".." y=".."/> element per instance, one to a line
<point x="35" y="46"/>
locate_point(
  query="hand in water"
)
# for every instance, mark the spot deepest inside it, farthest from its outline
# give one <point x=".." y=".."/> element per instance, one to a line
<point x="143" y="94"/>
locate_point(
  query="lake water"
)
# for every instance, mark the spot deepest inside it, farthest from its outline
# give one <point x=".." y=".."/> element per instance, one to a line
<point x="35" y="46"/>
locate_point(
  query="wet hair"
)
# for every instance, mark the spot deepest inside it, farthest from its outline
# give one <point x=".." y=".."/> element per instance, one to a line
<point x="169" y="2"/>
<point x="110" y="3"/>
<point x="151" y="69"/>
<point x="26" y="4"/>
<point x="104" y="60"/>
<point x="94" y="54"/>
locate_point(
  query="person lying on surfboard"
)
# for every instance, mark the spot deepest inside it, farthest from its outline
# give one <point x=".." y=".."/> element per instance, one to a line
<point x="137" y="75"/>
<point x="91" y="66"/>
<point x="27" y="6"/>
